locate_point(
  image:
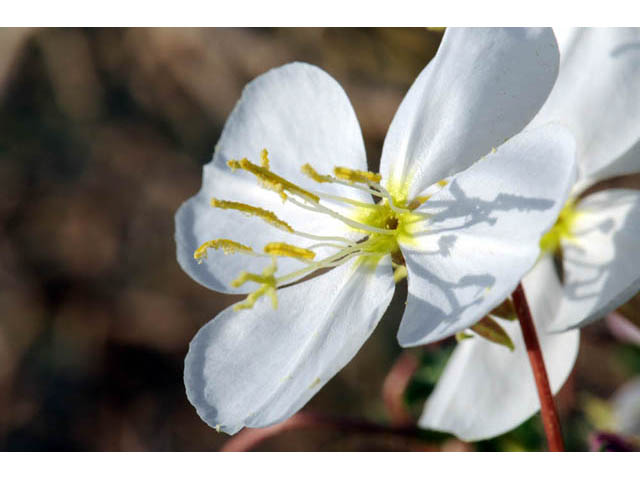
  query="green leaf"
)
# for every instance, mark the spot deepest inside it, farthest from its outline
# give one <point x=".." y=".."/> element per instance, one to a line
<point x="492" y="331"/>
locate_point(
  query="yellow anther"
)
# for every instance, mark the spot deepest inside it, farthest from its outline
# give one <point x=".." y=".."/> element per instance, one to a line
<point x="228" y="246"/>
<point x="268" y="287"/>
<point x="264" y="156"/>
<point x="233" y="164"/>
<point x="272" y="181"/>
<point x="416" y="202"/>
<point x="285" y="250"/>
<point x="356" y="176"/>
<point x="443" y="183"/>
<point x="266" y="215"/>
<point x="309" y="171"/>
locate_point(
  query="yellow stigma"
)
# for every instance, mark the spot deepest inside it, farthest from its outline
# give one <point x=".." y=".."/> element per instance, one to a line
<point x="266" y="215"/>
<point x="561" y="230"/>
<point x="285" y="250"/>
<point x="356" y="176"/>
<point x="228" y="246"/>
<point x="270" y="180"/>
<point x="268" y="284"/>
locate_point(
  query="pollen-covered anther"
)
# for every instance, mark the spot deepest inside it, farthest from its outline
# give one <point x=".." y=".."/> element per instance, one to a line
<point x="228" y="246"/>
<point x="264" y="158"/>
<point x="285" y="250"/>
<point x="416" y="202"/>
<point x="266" y="215"/>
<point x="268" y="286"/>
<point x="311" y="172"/>
<point x="271" y="181"/>
<point x="357" y="176"/>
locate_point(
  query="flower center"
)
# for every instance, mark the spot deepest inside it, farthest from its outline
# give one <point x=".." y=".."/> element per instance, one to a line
<point x="381" y="226"/>
<point x="561" y="230"/>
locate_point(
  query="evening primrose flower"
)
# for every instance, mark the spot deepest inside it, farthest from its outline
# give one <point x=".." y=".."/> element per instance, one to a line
<point x="289" y="214"/>
<point x="590" y="262"/>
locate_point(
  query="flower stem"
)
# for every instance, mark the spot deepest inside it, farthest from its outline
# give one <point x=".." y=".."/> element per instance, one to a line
<point x="394" y="386"/>
<point x="548" y="409"/>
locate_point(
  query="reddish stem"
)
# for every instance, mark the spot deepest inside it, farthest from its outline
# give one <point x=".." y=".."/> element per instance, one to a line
<point x="548" y="408"/>
<point x="249" y="438"/>
<point x="394" y="386"/>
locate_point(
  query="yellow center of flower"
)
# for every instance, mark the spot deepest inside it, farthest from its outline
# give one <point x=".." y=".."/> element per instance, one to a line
<point x="378" y="228"/>
<point x="561" y="230"/>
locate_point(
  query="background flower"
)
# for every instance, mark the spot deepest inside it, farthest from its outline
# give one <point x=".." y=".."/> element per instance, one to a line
<point x="597" y="99"/>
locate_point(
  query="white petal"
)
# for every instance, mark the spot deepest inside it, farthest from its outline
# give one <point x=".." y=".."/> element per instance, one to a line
<point x="626" y="408"/>
<point x="487" y="390"/>
<point x="602" y="260"/>
<point x="598" y="98"/>
<point x="258" y="367"/>
<point x="300" y="115"/>
<point x="484" y="233"/>
<point x="482" y="87"/>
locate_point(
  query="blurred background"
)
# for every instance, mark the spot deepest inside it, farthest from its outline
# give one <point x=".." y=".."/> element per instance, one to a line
<point x="103" y="134"/>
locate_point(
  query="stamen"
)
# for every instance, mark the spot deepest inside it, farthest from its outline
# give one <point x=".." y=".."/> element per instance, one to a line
<point x="282" y="249"/>
<point x="416" y="202"/>
<point x="264" y="156"/>
<point x="372" y="187"/>
<point x="352" y="223"/>
<point x="356" y="176"/>
<point x="228" y="246"/>
<point x="266" y="215"/>
<point x="311" y="172"/>
<point x="268" y="287"/>
<point x="271" y="181"/>
<point x="322" y="237"/>
<point x="432" y="190"/>
<point x="324" y="244"/>
<point x="331" y="261"/>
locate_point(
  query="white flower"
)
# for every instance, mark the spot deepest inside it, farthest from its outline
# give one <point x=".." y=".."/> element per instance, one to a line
<point x="467" y="229"/>
<point x="485" y="389"/>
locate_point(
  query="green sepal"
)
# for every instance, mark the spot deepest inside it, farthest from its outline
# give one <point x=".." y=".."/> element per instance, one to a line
<point x="505" y="310"/>
<point x="492" y="331"/>
<point x="460" y="336"/>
